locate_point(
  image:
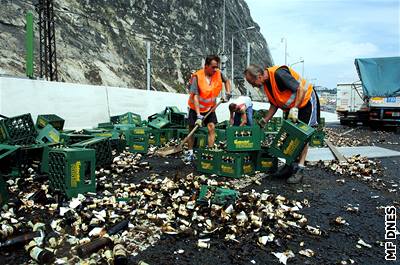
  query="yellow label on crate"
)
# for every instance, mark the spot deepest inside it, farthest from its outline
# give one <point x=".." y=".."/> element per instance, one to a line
<point x="138" y="131"/>
<point x="227" y="169"/>
<point x="75" y="174"/>
<point x="316" y="142"/>
<point x="243" y="144"/>
<point x="55" y="137"/>
<point x="266" y="164"/>
<point x="202" y="142"/>
<point x="163" y="140"/>
<point x="152" y="141"/>
<point x="104" y="134"/>
<point x="247" y="168"/>
<point x="206" y="165"/>
<point x="303" y="127"/>
<point x="291" y="147"/>
<point x="138" y="147"/>
<point x="42" y="122"/>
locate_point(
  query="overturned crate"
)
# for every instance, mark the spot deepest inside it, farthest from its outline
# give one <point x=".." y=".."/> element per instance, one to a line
<point x="18" y="130"/>
<point x="72" y="171"/>
<point x="102" y="147"/>
<point x="48" y="135"/>
<point x="235" y="165"/>
<point x="243" y="138"/>
<point x="52" y="119"/>
<point x="290" y="140"/>
<point x="217" y="195"/>
<point x="72" y="138"/>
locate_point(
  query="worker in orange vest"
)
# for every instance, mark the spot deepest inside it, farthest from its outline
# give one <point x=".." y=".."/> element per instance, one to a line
<point x="205" y="87"/>
<point x="287" y="90"/>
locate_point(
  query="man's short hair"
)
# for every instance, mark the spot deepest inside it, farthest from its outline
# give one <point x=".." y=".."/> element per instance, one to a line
<point x="232" y="107"/>
<point x="254" y="70"/>
<point x="212" y="57"/>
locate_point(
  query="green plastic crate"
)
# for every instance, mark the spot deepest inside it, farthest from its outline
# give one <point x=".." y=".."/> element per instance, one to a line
<point x="290" y="140"/>
<point x="265" y="162"/>
<point x="317" y="139"/>
<point x="220" y="135"/>
<point x="321" y="123"/>
<point x="72" y="138"/>
<point x="243" y="138"/>
<point x="217" y="195"/>
<point x="48" y="135"/>
<point x="130" y="118"/>
<point x="235" y="165"/>
<point x="138" y="143"/>
<point x="222" y="125"/>
<point x="52" y="119"/>
<point x="102" y="147"/>
<point x="4" y="196"/>
<point x="208" y="161"/>
<point x="112" y="134"/>
<point x="105" y="125"/>
<point x="160" y="137"/>
<point x="18" y="130"/>
<point x="118" y="144"/>
<point x="159" y="123"/>
<point x="72" y="171"/>
<point x="124" y="127"/>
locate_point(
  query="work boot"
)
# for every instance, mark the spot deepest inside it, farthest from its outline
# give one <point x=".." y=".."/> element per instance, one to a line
<point x="297" y="177"/>
<point x="285" y="172"/>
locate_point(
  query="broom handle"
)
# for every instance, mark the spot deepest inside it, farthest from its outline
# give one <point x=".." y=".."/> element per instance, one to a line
<point x="197" y="126"/>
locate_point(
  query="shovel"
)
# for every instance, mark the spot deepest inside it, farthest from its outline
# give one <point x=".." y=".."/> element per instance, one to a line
<point x="176" y="149"/>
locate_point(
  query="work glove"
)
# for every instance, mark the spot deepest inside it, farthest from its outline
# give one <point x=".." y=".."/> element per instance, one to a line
<point x="262" y="122"/>
<point x="294" y="114"/>
<point x="199" y="120"/>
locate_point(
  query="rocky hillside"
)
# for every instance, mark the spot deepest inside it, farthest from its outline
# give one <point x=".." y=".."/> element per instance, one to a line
<point x="103" y="42"/>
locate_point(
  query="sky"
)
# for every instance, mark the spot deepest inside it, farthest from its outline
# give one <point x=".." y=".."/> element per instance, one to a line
<point x="328" y="34"/>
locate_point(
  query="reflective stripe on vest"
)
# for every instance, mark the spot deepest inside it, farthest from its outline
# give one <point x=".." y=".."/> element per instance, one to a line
<point x="208" y="92"/>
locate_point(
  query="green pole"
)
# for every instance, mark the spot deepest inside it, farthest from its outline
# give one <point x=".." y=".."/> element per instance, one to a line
<point x="29" y="44"/>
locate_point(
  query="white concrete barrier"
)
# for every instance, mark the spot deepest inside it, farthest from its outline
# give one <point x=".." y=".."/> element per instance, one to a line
<point x="84" y="106"/>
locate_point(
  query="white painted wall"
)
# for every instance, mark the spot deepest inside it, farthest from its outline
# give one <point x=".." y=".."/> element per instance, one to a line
<point x="84" y="106"/>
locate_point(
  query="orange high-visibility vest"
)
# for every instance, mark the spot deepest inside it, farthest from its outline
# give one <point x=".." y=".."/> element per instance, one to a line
<point x="285" y="99"/>
<point x="208" y="93"/>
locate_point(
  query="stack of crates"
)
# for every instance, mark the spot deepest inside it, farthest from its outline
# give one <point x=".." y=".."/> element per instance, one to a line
<point x="317" y="139"/>
<point x="52" y="119"/>
<point x="209" y="161"/>
<point x="72" y="170"/>
<point x="19" y="130"/>
<point x="3" y="191"/>
<point x="291" y="140"/>
<point x="137" y="139"/>
<point x="235" y="165"/>
<point x="102" y="147"/>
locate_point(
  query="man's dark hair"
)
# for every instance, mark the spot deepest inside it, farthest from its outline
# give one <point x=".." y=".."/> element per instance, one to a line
<point x="210" y="58"/>
<point x="232" y="107"/>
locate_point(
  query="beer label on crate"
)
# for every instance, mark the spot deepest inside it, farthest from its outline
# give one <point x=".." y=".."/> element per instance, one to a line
<point x="75" y="173"/>
<point x="54" y="136"/>
<point x="227" y="169"/>
<point x="243" y="144"/>
<point x="138" y="147"/>
<point x="291" y="147"/>
<point x="266" y="163"/>
<point x="247" y="168"/>
<point x="205" y="165"/>
<point x="42" y="122"/>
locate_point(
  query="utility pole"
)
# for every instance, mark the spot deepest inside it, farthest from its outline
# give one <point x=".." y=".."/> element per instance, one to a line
<point x="148" y="72"/>
<point x="248" y="63"/>
<point x="47" y="40"/>
<point x="223" y="56"/>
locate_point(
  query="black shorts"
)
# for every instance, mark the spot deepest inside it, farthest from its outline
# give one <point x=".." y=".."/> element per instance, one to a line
<point x="193" y="117"/>
<point x="305" y="112"/>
